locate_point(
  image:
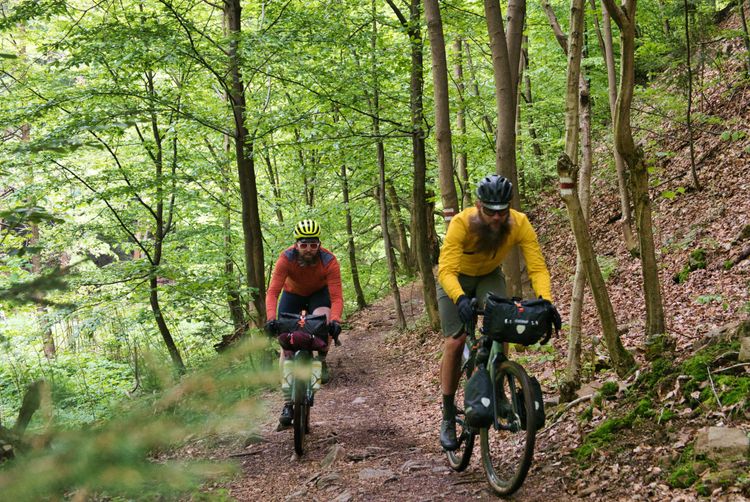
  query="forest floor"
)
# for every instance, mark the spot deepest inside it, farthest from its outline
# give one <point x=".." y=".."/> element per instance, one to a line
<point x="374" y="435"/>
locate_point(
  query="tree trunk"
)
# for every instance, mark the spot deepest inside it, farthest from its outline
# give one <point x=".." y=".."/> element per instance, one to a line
<point x="626" y="222"/>
<point x="463" y="173"/>
<point x="572" y="379"/>
<point x="529" y="103"/>
<point x="745" y="33"/>
<point x="693" y="170"/>
<point x="505" y="96"/>
<point x="243" y="145"/>
<point x="422" y="218"/>
<point x="625" y="19"/>
<point x="398" y="224"/>
<point x="622" y="361"/>
<point x="573" y="372"/>
<point x="400" y="317"/>
<point x="48" y="340"/>
<point x="442" y="111"/>
<point x="161" y="228"/>
<point x="361" y="302"/>
<point x="488" y="130"/>
<point x="273" y="177"/>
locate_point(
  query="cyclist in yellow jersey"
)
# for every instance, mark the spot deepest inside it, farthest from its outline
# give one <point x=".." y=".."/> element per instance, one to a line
<point x="478" y="240"/>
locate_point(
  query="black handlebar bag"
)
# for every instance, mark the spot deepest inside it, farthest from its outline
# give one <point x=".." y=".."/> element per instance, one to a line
<point x="302" y="332"/>
<point x="524" y="322"/>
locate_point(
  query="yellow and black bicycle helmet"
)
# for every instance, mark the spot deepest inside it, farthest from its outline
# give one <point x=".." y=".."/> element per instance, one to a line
<point x="307" y="229"/>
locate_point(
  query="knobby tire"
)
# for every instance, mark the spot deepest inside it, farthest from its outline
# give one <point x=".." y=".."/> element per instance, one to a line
<point x="301" y="417"/>
<point x="507" y="454"/>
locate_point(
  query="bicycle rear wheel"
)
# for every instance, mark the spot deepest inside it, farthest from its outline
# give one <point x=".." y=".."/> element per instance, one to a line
<point x="301" y="417"/>
<point x="508" y="445"/>
<point x="459" y="459"/>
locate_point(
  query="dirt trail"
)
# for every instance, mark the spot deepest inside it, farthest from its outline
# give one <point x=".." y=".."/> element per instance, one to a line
<point x="374" y="428"/>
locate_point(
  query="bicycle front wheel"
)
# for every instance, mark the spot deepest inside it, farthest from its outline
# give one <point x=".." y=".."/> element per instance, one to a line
<point x="301" y="417"/>
<point x="508" y="445"/>
<point x="459" y="459"/>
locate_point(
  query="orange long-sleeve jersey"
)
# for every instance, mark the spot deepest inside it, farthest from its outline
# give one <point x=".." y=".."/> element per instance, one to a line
<point x="290" y="275"/>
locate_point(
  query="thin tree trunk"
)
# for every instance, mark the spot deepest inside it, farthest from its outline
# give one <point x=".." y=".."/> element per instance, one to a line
<point x="622" y="361"/>
<point x="162" y="226"/>
<point x="573" y="371"/>
<point x="530" y="103"/>
<point x="572" y="379"/>
<point x="398" y="225"/>
<point x="745" y="33"/>
<point x="243" y="145"/>
<point x="400" y="317"/>
<point x="625" y="19"/>
<point x="693" y="170"/>
<point x="361" y="302"/>
<point x="488" y="130"/>
<point x="442" y="110"/>
<point x="463" y="173"/>
<point x="48" y="340"/>
<point x="423" y="224"/>
<point x="505" y="95"/>
<point x="605" y="41"/>
<point x="666" y="29"/>
<point x="273" y="177"/>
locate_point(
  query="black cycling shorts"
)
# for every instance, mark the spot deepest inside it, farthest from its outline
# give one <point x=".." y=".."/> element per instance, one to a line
<point x="294" y="304"/>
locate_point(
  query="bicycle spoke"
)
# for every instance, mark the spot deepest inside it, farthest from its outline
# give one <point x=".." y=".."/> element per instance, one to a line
<point x="508" y="446"/>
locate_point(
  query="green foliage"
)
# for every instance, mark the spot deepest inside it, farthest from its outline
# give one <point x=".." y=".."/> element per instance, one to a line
<point x="696" y="261"/>
<point x="671" y="194"/>
<point x="608" y="265"/>
<point x="731" y="389"/>
<point x="733" y="136"/>
<point x="609" y="389"/>
<point x="706" y="299"/>
<point x="113" y="457"/>
<point x="683" y="474"/>
<point x="605" y="433"/>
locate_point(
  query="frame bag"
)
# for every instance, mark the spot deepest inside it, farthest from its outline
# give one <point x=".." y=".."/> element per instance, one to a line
<point x="524" y="322"/>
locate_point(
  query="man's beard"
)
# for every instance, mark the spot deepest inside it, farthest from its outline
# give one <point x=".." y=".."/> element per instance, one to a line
<point x="490" y="239"/>
<point x="306" y="261"/>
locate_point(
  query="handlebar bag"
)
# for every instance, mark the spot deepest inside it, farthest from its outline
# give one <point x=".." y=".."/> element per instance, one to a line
<point x="524" y="322"/>
<point x="302" y="332"/>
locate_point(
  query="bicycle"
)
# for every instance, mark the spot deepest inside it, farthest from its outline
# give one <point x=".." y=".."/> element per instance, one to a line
<point x="302" y="373"/>
<point x="507" y="445"/>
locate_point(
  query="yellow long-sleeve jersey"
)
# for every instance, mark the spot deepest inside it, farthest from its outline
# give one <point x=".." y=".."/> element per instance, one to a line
<point x="459" y="256"/>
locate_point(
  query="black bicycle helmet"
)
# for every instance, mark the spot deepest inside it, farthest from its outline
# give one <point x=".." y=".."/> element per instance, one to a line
<point x="495" y="192"/>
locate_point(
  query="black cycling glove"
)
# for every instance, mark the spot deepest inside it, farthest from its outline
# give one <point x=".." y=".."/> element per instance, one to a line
<point x="334" y="329"/>
<point x="465" y="311"/>
<point x="272" y="327"/>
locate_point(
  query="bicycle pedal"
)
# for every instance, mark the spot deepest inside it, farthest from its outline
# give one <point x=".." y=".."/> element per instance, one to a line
<point x="280" y="427"/>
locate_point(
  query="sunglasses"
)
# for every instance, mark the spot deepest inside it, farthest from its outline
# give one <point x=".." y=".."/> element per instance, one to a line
<point x="492" y="212"/>
<point x="305" y="245"/>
